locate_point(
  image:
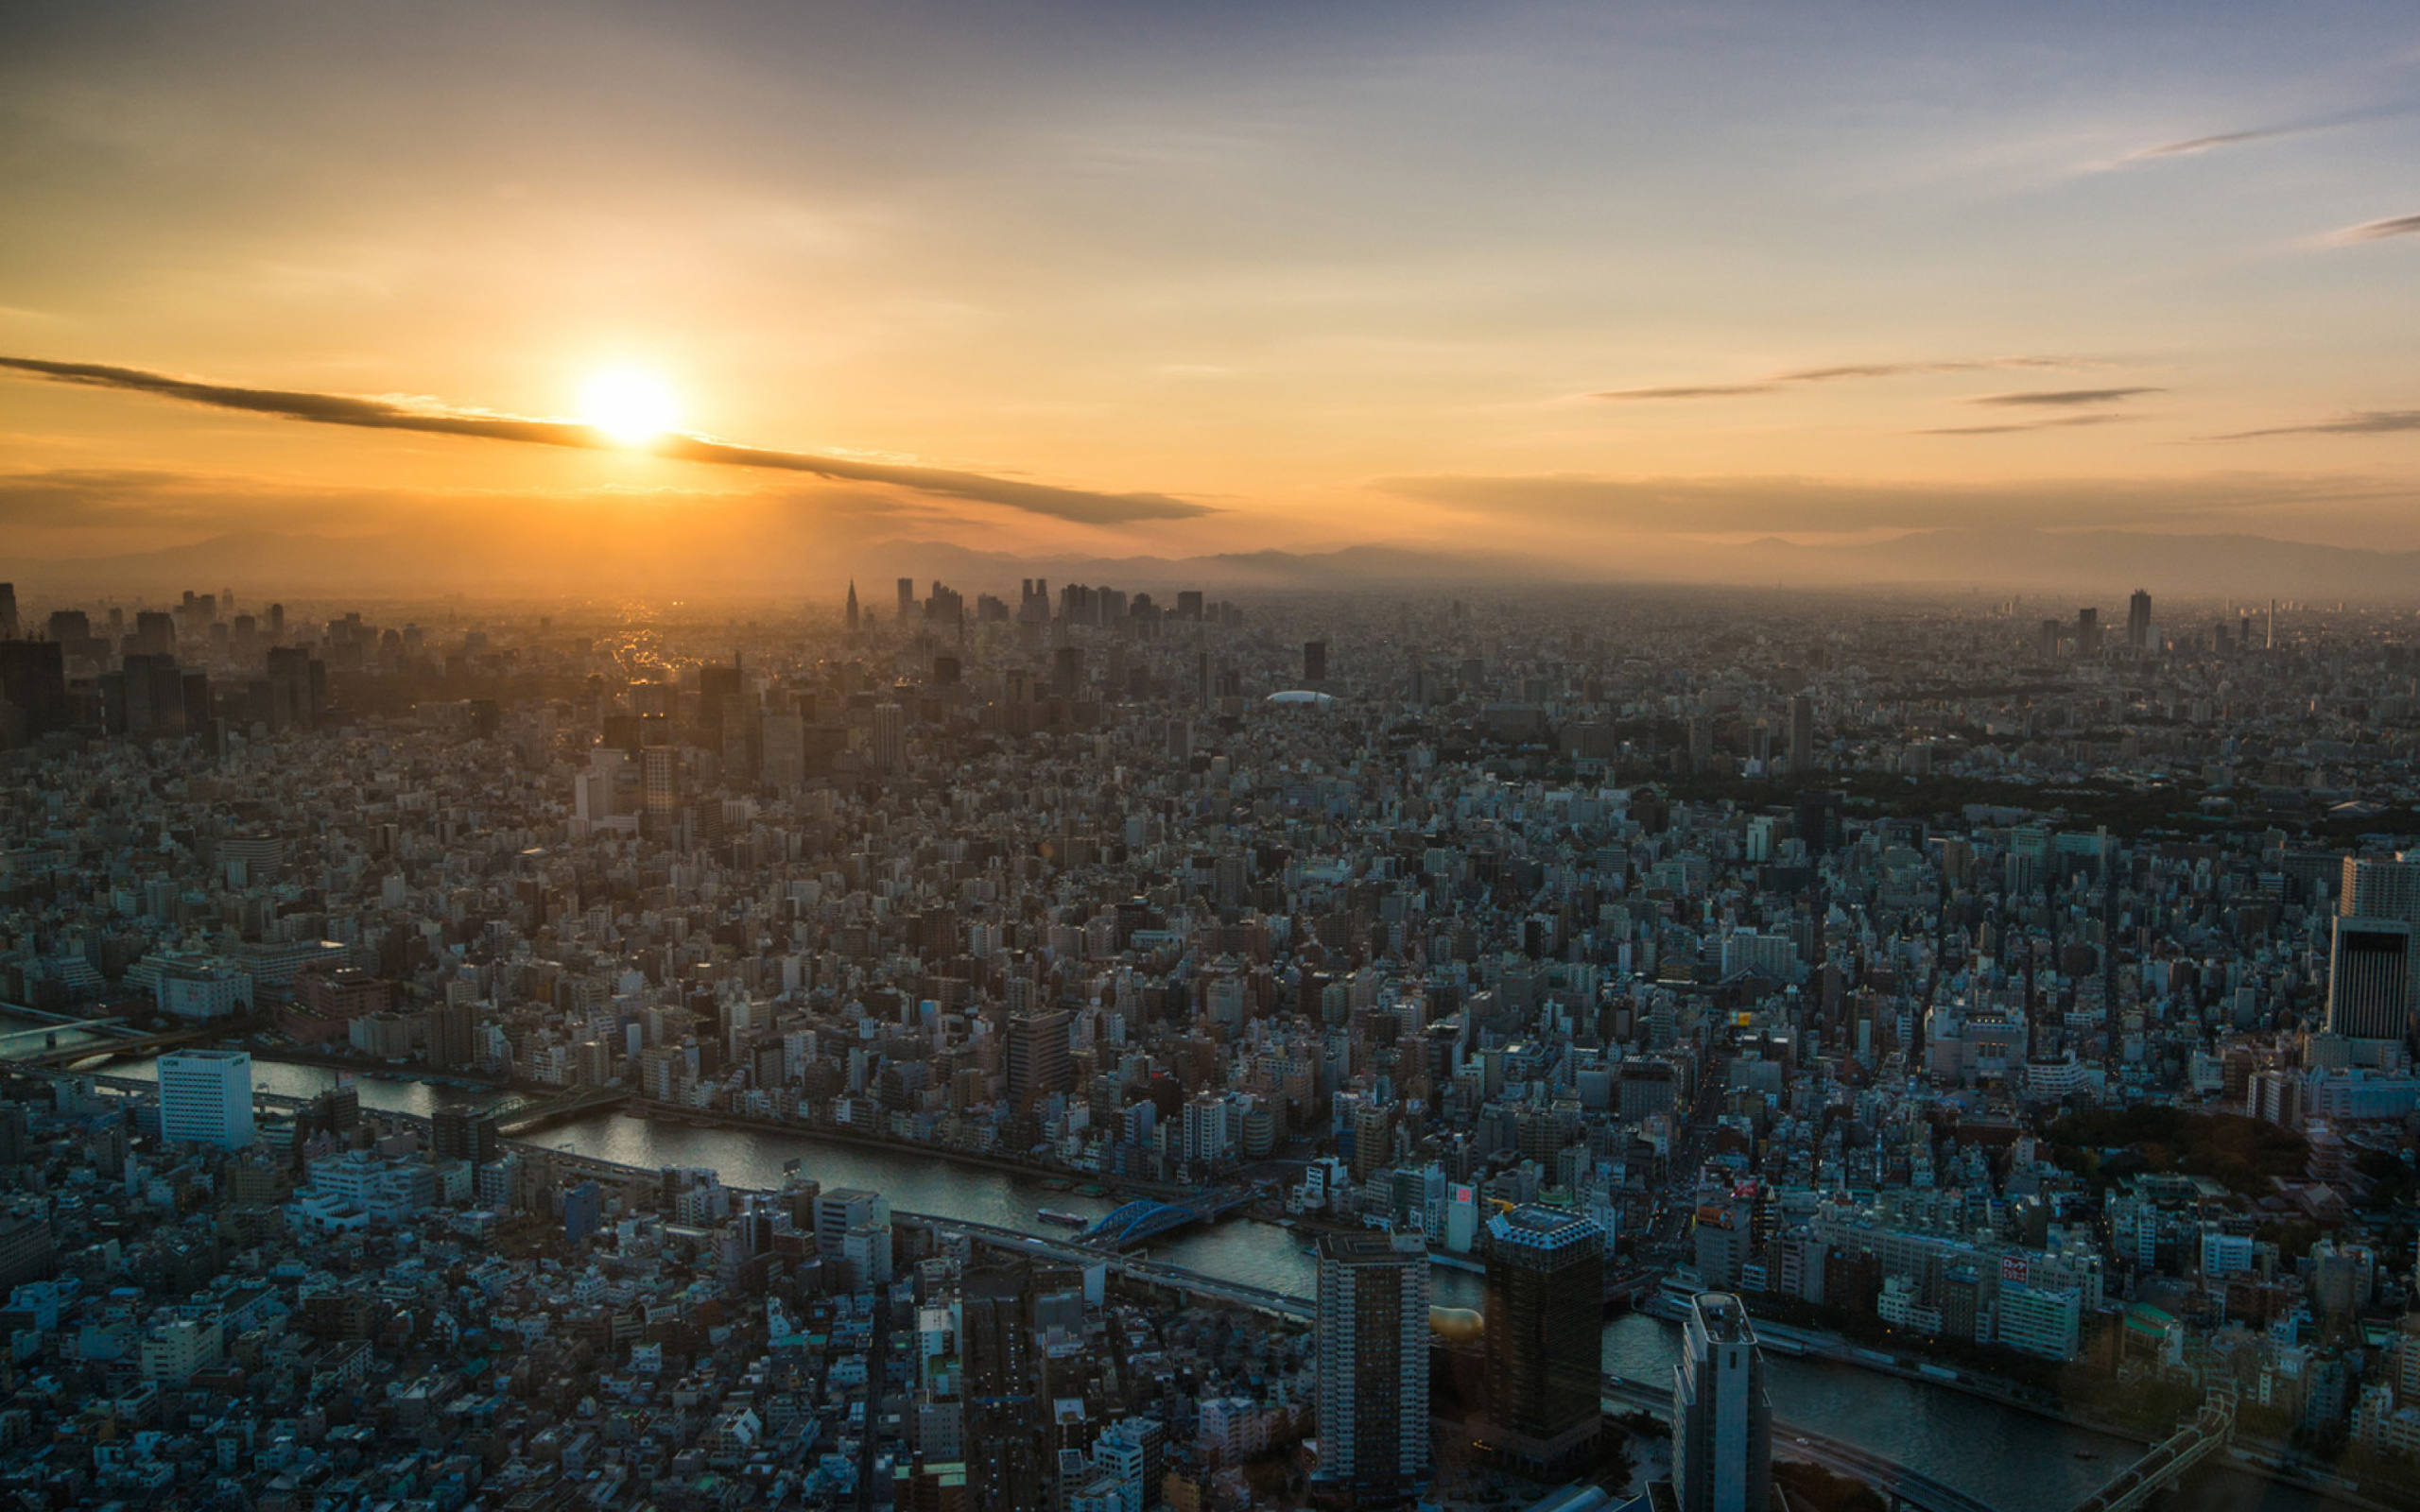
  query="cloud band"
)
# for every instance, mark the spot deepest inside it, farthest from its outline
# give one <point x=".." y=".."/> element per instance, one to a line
<point x="1081" y="505"/>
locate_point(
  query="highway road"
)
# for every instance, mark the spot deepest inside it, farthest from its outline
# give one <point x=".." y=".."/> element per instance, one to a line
<point x="1795" y="1440"/>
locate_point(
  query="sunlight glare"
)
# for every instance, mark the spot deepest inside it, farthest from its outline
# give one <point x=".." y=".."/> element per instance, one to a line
<point x="629" y="407"/>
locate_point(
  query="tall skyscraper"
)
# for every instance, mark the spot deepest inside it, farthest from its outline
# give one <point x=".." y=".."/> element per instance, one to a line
<point x="1038" y="1062"/>
<point x="33" y="680"/>
<point x="2379" y="888"/>
<point x="1802" y="735"/>
<point x="1545" y="1280"/>
<point x="1722" y="1420"/>
<point x="1372" y="1343"/>
<point x="1004" y="1420"/>
<point x="849" y="614"/>
<point x="890" y="737"/>
<point x="206" y="1097"/>
<point x="2370" y="995"/>
<point x="7" y="611"/>
<point x="2087" y="632"/>
<point x="2138" y="620"/>
<point x="1314" y="662"/>
<point x="906" y="598"/>
<point x="2369" y="978"/>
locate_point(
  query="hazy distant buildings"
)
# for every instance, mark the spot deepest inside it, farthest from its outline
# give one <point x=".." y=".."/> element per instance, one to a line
<point x="1373" y="1345"/>
<point x="1802" y="733"/>
<point x="33" y="683"/>
<point x="1546" y="1277"/>
<point x="206" y="1097"/>
<point x="1722" y="1419"/>
<point x="890" y="737"/>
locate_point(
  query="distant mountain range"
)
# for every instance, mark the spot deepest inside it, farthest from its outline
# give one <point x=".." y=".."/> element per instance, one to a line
<point x="2068" y="562"/>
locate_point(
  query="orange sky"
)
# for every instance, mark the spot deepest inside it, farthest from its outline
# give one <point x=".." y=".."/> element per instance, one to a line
<point x="1360" y="276"/>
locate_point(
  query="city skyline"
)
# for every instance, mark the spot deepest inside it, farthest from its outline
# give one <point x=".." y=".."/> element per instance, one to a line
<point x="1891" y="295"/>
<point x="1109" y="756"/>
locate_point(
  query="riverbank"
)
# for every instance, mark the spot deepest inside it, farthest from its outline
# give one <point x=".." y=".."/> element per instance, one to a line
<point x="1024" y="1170"/>
<point x="425" y="1075"/>
<point x="2256" y="1460"/>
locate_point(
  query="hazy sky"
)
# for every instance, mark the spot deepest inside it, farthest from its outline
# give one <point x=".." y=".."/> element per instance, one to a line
<point x="1135" y="277"/>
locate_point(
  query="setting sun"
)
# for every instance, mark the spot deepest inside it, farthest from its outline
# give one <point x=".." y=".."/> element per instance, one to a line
<point x="630" y="406"/>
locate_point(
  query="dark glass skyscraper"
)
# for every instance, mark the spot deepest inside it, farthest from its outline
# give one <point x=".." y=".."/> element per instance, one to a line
<point x="1545" y="1291"/>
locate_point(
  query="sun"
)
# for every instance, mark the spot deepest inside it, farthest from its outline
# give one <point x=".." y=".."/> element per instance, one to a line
<point x="631" y="408"/>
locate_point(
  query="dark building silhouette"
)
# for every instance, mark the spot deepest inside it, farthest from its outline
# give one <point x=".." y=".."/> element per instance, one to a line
<point x="1004" y="1458"/>
<point x="1314" y="662"/>
<point x="1818" y="815"/>
<point x="33" y="679"/>
<point x="2368" y="978"/>
<point x="1546" y="1279"/>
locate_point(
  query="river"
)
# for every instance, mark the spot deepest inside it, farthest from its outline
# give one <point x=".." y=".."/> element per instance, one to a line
<point x="2011" y="1460"/>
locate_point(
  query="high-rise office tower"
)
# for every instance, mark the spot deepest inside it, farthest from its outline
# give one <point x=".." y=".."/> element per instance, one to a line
<point x="206" y="1097"/>
<point x="890" y="737"/>
<point x="906" y="598"/>
<point x="33" y="681"/>
<point x="2369" y="978"/>
<point x="1722" y="1420"/>
<point x="2377" y="899"/>
<point x="1038" y="1061"/>
<point x="464" y="1134"/>
<point x="7" y="611"/>
<point x="849" y="614"/>
<point x="781" y="738"/>
<point x="2138" y="620"/>
<point x="1372" y="1344"/>
<point x="1802" y="735"/>
<point x="1066" y="672"/>
<point x="2380" y="889"/>
<point x="2087" y="632"/>
<point x="1314" y="662"/>
<point x="1818" y="820"/>
<point x="1546" y="1279"/>
<point x="1004" y="1420"/>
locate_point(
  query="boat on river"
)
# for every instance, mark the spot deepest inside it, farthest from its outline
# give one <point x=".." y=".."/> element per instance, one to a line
<point x="1063" y="1218"/>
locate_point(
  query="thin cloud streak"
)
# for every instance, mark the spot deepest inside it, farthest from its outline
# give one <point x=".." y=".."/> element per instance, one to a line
<point x="2063" y="396"/>
<point x="1080" y="505"/>
<point x="2062" y="423"/>
<point x="2194" y="147"/>
<point x="2378" y="231"/>
<point x="2357" y="422"/>
<point x="1707" y="391"/>
<point x="1834" y="375"/>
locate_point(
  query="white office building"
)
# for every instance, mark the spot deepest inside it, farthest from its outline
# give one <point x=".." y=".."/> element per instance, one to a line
<point x="1722" y="1419"/>
<point x="206" y="1097"/>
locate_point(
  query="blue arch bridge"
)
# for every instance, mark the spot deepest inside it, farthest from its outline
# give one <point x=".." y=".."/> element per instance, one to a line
<point x="1144" y="1219"/>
